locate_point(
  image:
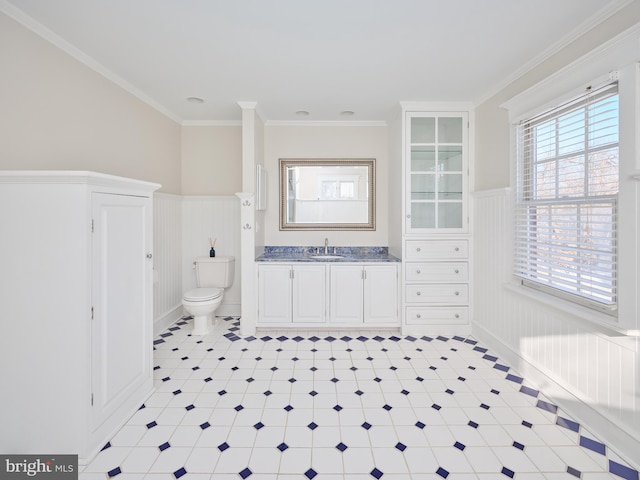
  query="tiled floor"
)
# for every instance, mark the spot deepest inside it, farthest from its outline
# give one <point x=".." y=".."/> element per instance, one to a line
<point x="347" y="406"/>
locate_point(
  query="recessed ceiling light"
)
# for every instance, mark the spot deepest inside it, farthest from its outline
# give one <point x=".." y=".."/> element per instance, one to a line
<point x="347" y="113"/>
<point x="195" y="100"/>
<point x="302" y="113"/>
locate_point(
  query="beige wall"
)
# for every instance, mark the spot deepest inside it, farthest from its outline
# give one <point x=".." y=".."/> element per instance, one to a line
<point x="326" y="142"/>
<point x="492" y="169"/>
<point x="211" y="160"/>
<point x="57" y="113"/>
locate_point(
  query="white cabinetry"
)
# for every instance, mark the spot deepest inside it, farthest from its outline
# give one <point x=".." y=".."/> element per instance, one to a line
<point x="359" y="294"/>
<point x="291" y="294"/>
<point x="364" y="294"/>
<point x="436" y="256"/>
<point x="77" y="287"/>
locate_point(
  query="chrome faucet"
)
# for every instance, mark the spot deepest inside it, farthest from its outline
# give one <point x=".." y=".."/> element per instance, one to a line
<point x="326" y="246"/>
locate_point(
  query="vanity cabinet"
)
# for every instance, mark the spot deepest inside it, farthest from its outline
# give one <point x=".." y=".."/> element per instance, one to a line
<point x="330" y="294"/>
<point x="436" y="224"/>
<point x="77" y="287"/>
<point x="364" y="295"/>
<point x="291" y="294"/>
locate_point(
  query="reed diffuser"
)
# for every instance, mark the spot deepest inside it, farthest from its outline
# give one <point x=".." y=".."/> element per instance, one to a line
<point x="212" y="243"/>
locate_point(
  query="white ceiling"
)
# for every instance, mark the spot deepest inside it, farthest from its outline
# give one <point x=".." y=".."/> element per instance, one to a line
<point x="323" y="56"/>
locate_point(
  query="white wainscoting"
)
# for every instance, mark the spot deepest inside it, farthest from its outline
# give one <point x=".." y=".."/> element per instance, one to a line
<point x="593" y="376"/>
<point x="215" y="217"/>
<point x="167" y="263"/>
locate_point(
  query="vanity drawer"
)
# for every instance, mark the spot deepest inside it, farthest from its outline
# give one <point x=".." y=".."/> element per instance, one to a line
<point x="436" y="271"/>
<point x="449" y="294"/>
<point x="436" y="315"/>
<point x="436" y="250"/>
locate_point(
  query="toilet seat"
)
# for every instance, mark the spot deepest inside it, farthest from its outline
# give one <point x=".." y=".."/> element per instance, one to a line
<point x="203" y="294"/>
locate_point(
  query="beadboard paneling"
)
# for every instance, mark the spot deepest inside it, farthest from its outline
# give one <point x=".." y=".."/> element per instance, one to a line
<point x="216" y="217"/>
<point x="596" y="374"/>
<point x="167" y="262"/>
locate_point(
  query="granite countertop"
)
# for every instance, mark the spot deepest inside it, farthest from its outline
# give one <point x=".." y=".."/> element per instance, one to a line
<point x="334" y="254"/>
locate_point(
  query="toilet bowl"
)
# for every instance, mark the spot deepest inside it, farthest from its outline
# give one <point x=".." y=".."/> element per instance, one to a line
<point x="201" y="303"/>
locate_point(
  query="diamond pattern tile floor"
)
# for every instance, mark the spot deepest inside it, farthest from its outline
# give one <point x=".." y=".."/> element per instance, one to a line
<point x="348" y="406"/>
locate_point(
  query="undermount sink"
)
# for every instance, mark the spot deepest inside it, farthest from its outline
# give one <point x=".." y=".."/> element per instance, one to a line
<point x="327" y="257"/>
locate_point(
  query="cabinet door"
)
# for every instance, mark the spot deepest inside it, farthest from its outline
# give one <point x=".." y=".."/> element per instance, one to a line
<point x="121" y="303"/>
<point x="346" y="294"/>
<point x="309" y="294"/>
<point x="274" y="293"/>
<point x="380" y="294"/>
<point x="437" y="172"/>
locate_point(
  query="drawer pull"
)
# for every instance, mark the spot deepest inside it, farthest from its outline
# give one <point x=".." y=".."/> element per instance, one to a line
<point x="418" y="293"/>
<point x="418" y="315"/>
<point x="418" y="271"/>
<point x="456" y="271"/>
<point x="457" y="315"/>
<point x="457" y="249"/>
<point x="417" y="249"/>
<point x="457" y="293"/>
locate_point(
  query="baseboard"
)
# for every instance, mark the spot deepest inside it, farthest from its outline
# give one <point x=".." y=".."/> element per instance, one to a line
<point x="595" y="421"/>
<point x="168" y="319"/>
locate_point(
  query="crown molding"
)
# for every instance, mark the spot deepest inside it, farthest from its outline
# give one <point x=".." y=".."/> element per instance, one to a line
<point x="589" y="24"/>
<point x="25" y="20"/>
<point x="211" y="123"/>
<point x="327" y="123"/>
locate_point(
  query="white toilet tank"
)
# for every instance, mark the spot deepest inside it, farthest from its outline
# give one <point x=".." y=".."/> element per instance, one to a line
<point x="215" y="271"/>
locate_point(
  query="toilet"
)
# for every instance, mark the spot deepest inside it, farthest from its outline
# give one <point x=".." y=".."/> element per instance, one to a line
<point x="213" y="275"/>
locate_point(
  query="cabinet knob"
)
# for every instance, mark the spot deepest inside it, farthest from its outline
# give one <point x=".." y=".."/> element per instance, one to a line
<point x="418" y="315"/>
<point x="417" y="249"/>
<point x="418" y="293"/>
<point x="457" y="315"/>
<point x="456" y="271"/>
<point x="149" y="255"/>
<point x="408" y="216"/>
<point x="457" y="293"/>
<point x="457" y="249"/>
<point x="418" y="271"/>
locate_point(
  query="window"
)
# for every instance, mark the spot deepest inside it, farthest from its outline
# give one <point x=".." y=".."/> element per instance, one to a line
<point x="566" y="200"/>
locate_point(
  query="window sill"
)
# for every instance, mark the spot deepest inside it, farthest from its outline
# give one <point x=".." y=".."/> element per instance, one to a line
<point x="599" y="321"/>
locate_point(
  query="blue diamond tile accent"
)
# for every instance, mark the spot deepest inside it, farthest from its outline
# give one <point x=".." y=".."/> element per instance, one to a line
<point x="359" y="392"/>
<point x="490" y="358"/>
<point x="258" y="425"/>
<point x="502" y="368"/>
<point x="223" y="446"/>
<point x="151" y="424"/>
<point x="420" y="379"/>
<point x="282" y="447"/>
<point x="527" y="424"/>
<point x="387" y="407"/>
<point x="330" y="339"/>
<point x="313" y="393"/>
<point x="114" y="472"/>
<point x="314" y="339"/>
<point x="164" y="446"/>
<point x="346" y="338"/>
<point x="288" y="408"/>
<point x="495" y="392"/>
<point x="208" y="379"/>
<point x="189" y="407"/>
<point x="366" y="425"/>
<point x="518" y="445"/>
<point x="292" y="380"/>
<point x="311" y="473"/>
<point x="442" y="472"/>
<point x="337" y="408"/>
<point x="485" y="406"/>
<point x="180" y="472"/>
<point x="312" y="426"/>
<point x="449" y="391"/>
<point x="245" y="473"/>
<point x="166" y="379"/>
<point x="297" y="338"/>
<point x="375" y="473"/>
<point x="570" y="424"/>
<point x="549" y="407"/>
<point x="575" y="472"/>
<point x="460" y="446"/>
<point x="177" y="392"/>
<point x="282" y="338"/>
<point x="593" y="445"/>
<point x="435" y="406"/>
<point x="222" y="392"/>
<point x="442" y="339"/>
<point x="514" y="378"/>
<point x="341" y="446"/>
<point x="473" y="424"/>
<point x="377" y="379"/>
<point x="420" y="425"/>
<point x="405" y="392"/>
<point x="205" y="425"/>
<point x="529" y="391"/>
<point x="335" y="380"/>
<point x="267" y="393"/>
<point x="106" y="445"/>
<point x="401" y="446"/>
<point x="507" y="472"/>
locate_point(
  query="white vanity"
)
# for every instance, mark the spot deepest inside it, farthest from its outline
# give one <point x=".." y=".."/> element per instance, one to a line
<point x="354" y="290"/>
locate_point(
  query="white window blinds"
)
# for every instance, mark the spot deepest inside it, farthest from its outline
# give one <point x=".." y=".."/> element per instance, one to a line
<point x="566" y="198"/>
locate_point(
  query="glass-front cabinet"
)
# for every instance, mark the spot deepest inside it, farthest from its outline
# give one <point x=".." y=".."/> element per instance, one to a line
<point x="437" y="172"/>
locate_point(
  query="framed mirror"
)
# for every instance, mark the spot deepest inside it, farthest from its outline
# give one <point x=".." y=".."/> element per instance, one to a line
<point x="327" y="194"/>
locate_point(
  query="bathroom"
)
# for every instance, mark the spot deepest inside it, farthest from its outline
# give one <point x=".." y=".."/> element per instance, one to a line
<point x="203" y="165"/>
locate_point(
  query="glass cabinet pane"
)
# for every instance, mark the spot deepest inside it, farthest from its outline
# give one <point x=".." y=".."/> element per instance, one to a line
<point x="423" y="130"/>
<point x="450" y="159"/>
<point x="423" y="186"/>
<point x="423" y="159"/>
<point x="450" y="215"/>
<point x="423" y="215"/>
<point x="450" y="130"/>
<point x="449" y="186"/>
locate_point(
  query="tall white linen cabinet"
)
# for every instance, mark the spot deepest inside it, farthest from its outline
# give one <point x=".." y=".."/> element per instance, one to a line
<point x="76" y="286"/>
<point x="436" y="144"/>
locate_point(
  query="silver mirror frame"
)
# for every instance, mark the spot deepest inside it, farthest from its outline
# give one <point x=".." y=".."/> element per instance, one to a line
<point x="370" y="163"/>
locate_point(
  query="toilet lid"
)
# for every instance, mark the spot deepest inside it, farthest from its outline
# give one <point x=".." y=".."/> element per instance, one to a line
<point x="202" y="294"/>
